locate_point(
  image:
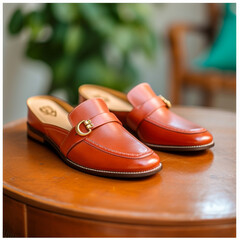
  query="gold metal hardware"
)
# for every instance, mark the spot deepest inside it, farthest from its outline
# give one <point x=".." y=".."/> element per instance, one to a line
<point x="167" y="102"/>
<point x="48" y="110"/>
<point x="88" y="124"/>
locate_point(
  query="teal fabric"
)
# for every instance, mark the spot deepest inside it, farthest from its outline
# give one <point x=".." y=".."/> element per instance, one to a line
<point x="222" y="54"/>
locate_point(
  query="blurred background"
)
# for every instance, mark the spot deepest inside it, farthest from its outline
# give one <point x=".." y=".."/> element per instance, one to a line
<point x="187" y="52"/>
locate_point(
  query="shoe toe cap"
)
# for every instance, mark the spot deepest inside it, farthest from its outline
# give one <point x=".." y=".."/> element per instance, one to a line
<point x="95" y="158"/>
<point x="203" y="139"/>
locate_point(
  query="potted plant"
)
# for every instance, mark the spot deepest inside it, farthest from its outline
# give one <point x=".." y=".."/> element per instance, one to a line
<point x="87" y="42"/>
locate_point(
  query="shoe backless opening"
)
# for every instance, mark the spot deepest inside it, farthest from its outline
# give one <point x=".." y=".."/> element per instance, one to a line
<point x="116" y="101"/>
<point x="51" y="110"/>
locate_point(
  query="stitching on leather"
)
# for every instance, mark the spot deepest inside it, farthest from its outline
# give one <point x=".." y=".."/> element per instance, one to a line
<point x="69" y="117"/>
<point x="110" y="151"/>
<point x="63" y="142"/>
<point x="55" y="129"/>
<point x="117" y="153"/>
<point x="178" y="146"/>
<point x="137" y="108"/>
<point x="150" y="99"/>
<point x="147" y="115"/>
<point x="106" y="171"/>
<point x="75" y="144"/>
<point x="150" y="120"/>
<point x="94" y="127"/>
<point x="47" y="129"/>
<point x="135" y="139"/>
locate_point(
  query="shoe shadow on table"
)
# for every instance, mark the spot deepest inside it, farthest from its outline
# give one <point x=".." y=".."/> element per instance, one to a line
<point x="187" y="162"/>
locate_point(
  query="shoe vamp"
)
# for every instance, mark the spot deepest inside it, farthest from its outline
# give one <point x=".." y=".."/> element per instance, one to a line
<point x="172" y="121"/>
<point x="114" y="138"/>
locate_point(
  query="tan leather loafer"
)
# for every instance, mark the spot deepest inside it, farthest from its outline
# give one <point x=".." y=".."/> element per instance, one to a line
<point x="90" y="138"/>
<point x="150" y="118"/>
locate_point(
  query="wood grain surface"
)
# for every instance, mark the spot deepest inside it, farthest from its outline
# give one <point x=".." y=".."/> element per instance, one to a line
<point x="193" y="195"/>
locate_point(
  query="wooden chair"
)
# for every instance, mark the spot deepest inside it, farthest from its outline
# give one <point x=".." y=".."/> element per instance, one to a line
<point x="209" y="82"/>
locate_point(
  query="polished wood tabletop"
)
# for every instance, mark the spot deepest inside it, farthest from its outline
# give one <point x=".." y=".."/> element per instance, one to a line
<point x="193" y="195"/>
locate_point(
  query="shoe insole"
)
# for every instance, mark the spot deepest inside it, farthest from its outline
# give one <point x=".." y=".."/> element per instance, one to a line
<point x="49" y="111"/>
<point x="113" y="102"/>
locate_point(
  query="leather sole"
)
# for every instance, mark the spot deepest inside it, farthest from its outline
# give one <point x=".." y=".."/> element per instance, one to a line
<point x="181" y="148"/>
<point x="40" y="137"/>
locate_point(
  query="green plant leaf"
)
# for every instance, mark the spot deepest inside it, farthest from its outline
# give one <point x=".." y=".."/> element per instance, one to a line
<point x="97" y="15"/>
<point x="59" y="33"/>
<point x="35" y="21"/>
<point x="16" y="23"/>
<point x="92" y="11"/>
<point x="90" y="71"/>
<point x="146" y="41"/>
<point x="87" y="42"/>
<point x="65" y="12"/>
<point x="62" y="71"/>
<point x="36" y="50"/>
<point x="122" y="37"/>
<point x="73" y="39"/>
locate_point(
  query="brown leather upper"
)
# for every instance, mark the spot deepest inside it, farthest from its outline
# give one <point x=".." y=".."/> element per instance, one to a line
<point x="155" y="123"/>
<point x="109" y="146"/>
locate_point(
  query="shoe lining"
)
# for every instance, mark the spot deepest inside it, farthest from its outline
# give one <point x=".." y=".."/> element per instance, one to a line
<point x="115" y="100"/>
<point x="50" y="111"/>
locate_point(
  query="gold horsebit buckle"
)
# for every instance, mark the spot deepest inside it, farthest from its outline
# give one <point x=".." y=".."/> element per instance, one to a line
<point x="88" y="124"/>
<point x="167" y="102"/>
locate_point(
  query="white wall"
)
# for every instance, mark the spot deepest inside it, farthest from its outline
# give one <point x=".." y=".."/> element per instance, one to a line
<point x="158" y="74"/>
<point x="23" y="77"/>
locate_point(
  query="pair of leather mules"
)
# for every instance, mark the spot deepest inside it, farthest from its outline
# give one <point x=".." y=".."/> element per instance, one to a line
<point x="93" y="139"/>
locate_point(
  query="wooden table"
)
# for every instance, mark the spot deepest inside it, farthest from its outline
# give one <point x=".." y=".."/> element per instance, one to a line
<point x="193" y="196"/>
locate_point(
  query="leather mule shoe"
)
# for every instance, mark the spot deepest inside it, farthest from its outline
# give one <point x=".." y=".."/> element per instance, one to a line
<point x="90" y="138"/>
<point x="149" y="117"/>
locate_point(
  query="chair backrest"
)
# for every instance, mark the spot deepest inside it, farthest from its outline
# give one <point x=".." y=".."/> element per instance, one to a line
<point x="215" y="14"/>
